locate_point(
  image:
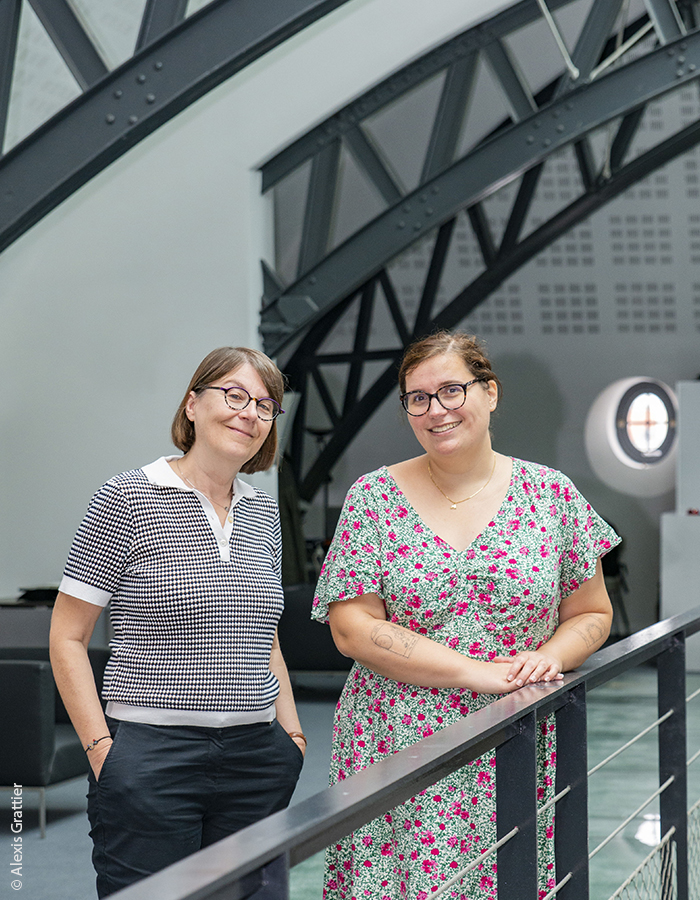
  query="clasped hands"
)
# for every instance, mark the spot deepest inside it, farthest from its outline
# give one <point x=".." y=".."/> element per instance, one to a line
<point x="531" y="666"/>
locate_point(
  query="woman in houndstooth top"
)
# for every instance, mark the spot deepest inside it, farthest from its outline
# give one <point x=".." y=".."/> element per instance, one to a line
<point x="201" y="735"/>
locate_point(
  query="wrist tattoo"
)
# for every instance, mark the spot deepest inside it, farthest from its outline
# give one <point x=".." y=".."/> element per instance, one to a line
<point x="397" y="640"/>
<point x="590" y="631"/>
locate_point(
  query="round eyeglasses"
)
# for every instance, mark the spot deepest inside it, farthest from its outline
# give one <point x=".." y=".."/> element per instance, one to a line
<point x="449" y="396"/>
<point x="238" y="398"/>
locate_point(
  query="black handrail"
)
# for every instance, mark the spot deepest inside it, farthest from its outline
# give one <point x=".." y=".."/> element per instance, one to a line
<point x="225" y="869"/>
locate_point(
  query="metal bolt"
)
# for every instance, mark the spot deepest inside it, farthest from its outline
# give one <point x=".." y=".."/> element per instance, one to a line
<point x="109" y="118"/>
<point x="407" y="207"/>
<point x="560" y="128"/>
<point x="401" y="224"/>
<point x="118" y="93"/>
<point x="312" y="279"/>
<point x="158" y="66"/>
<point x="681" y="59"/>
<point x="141" y="78"/>
<point x="429" y="211"/>
<point x="150" y="98"/>
<point x="133" y="119"/>
<point x="679" y="73"/>
<point x="530" y="139"/>
<point x="546" y="142"/>
<point x="417" y="226"/>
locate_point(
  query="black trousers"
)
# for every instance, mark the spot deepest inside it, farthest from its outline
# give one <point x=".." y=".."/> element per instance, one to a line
<point x="166" y="791"/>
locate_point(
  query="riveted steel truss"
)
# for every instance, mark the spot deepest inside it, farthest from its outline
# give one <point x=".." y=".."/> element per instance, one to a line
<point x="176" y="60"/>
<point x="615" y="70"/>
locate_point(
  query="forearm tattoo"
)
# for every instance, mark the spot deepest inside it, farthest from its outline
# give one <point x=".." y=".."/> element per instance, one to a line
<point x="590" y="630"/>
<point x="397" y="640"/>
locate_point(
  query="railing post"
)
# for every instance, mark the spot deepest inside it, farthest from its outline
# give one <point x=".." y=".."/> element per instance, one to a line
<point x="571" y="825"/>
<point x="673" y="803"/>
<point x="516" y="805"/>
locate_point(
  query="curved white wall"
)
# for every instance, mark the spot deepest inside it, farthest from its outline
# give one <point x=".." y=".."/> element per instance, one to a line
<point x="107" y="305"/>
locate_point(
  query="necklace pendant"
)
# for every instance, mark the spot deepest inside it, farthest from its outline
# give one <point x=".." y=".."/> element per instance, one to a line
<point x="454" y="506"/>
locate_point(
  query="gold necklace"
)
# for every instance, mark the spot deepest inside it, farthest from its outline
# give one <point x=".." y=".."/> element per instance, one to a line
<point x="185" y="478"/>
<point x="455" y="502"/>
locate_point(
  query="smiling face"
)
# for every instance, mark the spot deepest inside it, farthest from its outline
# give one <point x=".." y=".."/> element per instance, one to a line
<point x="444" y="432"/>
<point x="233" y="435"/>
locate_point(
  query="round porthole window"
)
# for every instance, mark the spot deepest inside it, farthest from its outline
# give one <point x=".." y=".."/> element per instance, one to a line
<point x="631" y="436"/>
<point x="646" y="422"/>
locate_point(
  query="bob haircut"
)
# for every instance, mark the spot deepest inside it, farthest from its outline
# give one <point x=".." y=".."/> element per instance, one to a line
<point x="465" y="346"/>
<point x="214" y="366"/>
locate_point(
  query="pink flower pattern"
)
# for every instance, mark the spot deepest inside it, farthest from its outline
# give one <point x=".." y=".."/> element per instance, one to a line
<point x="498" y="596"/>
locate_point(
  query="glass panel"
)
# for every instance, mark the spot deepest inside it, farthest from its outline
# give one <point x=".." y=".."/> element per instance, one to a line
<point x="289" y="199"/>
<point x="358" y="200"/>
<point x="41" y="84"/>
<point x="112" y="27"/>
<point x="401" y="130"/>
<point x="195" y="5"/>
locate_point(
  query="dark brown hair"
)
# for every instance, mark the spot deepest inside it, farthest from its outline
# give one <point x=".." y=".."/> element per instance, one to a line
<point x="468" y="348"/>
<point x="214" y="366"/>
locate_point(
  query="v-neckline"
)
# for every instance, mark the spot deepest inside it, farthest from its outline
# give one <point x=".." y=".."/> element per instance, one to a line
<point x="476" y="537"/>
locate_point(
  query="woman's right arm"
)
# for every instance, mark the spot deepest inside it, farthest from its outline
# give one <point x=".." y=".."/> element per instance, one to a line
<point x="361" y="631"/>
<point x="72" y="624"/>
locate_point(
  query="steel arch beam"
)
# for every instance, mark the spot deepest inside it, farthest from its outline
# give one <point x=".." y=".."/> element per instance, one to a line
<point x="461" y="48"/>
<point x="124" y="106"/>
<point x="469" y="298"/>
<point x="159" y="16"/>
<point x="494" y="163"/>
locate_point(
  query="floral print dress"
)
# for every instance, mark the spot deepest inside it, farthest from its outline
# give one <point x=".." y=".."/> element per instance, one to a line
<point x="498" y="596"/>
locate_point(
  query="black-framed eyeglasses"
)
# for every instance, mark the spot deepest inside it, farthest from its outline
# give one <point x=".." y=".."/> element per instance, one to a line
<point x="449" y="396"/>
<point x="238" y="398"/>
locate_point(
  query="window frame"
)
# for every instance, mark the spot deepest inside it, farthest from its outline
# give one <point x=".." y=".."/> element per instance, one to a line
<point x="621" y="423"/>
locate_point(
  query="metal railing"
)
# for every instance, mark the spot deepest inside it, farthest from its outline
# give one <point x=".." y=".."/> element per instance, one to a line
<point x="229" y="870"/>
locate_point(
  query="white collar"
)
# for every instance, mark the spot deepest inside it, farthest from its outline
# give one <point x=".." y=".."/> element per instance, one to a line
<point x="162" y="474"/>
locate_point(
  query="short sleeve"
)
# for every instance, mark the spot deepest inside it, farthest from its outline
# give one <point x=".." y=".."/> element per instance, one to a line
<point x="352" y="566"/>
<point x="100" y="547"/>
<point x="586" y="536"/>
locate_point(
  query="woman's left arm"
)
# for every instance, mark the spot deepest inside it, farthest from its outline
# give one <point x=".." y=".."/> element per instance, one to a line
<point x="585" y="618"/>
<point x="284" y="704"/>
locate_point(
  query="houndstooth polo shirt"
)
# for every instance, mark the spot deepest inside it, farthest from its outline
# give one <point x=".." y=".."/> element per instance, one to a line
<point x="194" y="606"/>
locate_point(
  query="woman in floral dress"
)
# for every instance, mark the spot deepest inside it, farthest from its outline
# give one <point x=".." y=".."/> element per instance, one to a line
<point x="453" y="577"/>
